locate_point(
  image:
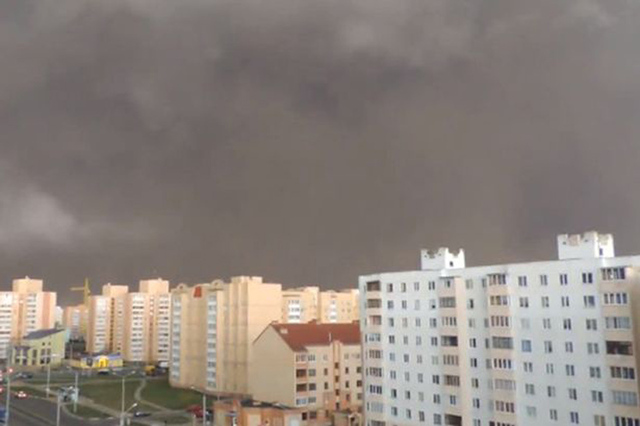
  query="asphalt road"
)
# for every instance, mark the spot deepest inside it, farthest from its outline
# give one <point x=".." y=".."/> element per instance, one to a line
<point x="38" y="412"/>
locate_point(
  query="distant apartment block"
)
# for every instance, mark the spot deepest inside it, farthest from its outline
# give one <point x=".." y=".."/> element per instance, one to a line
<point x="74" y="319"/>
<point x="105" y="319"/>
<point x="23" y="310"/>
<point x="213" y="327"/>
<point x="313" y="367"/>
<point x="135" y="325"/>
<point x="527" y="344"/>
<point x="304" y="304"/>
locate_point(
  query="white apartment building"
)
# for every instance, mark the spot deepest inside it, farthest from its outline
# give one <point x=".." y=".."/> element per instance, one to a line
<point x="526" y="344"/>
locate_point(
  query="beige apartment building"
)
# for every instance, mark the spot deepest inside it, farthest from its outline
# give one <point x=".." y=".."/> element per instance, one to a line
<point x="305" y="304"/>
<point x="135" y="325"/>
<point x="105" y="319"/>
<point x="146" y="322"/>
<point x="23" y="310"/>
<point x="74" y="319"/>
<point x="313" y="367"/>
<point x="213" y="327"/>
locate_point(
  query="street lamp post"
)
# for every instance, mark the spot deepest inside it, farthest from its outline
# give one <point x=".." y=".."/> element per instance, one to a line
<point x="204" y="405"/>
<point x="9" y="371"/>
<point x="122" y="411"/>
<point x="51" y="356"/>
<point x="58" y="408"/>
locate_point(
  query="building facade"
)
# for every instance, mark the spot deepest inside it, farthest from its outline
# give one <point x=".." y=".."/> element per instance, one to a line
<point x="313" y="367"/>
<point x="305" y="304"/>
<point x="213" y="326"/>
<point x="75" y="318"/>
<point x="25" y="309"/>
<point x="135" y="325"/>
<point x="248" y="412"/>
<point x="527" y="344"/>
<point x="105" y="319"/>
<point x="40" y="348"/>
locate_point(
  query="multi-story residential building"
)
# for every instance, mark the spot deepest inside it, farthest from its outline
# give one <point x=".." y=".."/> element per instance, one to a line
<point x="146" y="322"/>
<point x="300" y="305"/>
<point x="105" y="323"/>
<point x="313" y="367"/>
<point x="25" y="309"/>
<point x="135" y="325"/>
<point x="339" y="306"/>
<point x="304" y="304"/>
<point x="75" y="320"/>
<point x="212" y="329"/>
<point x="527" y="344"/>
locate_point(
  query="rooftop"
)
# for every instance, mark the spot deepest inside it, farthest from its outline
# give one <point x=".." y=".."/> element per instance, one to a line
<point x="39" y="334"/>
<point x="299" y="336"/>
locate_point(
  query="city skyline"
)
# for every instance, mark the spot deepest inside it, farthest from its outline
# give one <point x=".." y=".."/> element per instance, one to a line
<point x="309" y="142"/>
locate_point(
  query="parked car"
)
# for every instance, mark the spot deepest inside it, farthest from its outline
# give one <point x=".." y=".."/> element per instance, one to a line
<point x="20" y="394"/>
<point x="104" y="372"/>
<point x="141" y="414"/>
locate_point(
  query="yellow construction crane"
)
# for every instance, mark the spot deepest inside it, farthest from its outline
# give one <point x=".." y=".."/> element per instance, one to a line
<point x="85" y="290"/>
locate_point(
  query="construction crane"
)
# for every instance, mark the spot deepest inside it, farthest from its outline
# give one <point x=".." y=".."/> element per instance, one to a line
<point x="86" y="292"/>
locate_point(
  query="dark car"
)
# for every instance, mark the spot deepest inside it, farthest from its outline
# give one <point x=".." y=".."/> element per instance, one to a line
<point x="141" y="414"/>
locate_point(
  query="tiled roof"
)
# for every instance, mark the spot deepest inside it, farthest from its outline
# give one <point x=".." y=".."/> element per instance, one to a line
<point x="39" y="334"/>
<point x="299" y="336"/>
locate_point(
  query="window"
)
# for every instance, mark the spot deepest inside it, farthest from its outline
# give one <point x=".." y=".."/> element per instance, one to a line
<point x="610" y="274"/>
<point x="566" y="324"/>
<point x="592" y="324"/>
<point x="574" y="417"/>
<point x="544" y="280"/>
<point x="597" y="396"/>
<point x="545" y="301"/>
<point x="546" y="323"/>
<point x="529" y="389"/>
<point x="548" y="347"/>
<point x="564" y="301"/>
<point x="625" y="373"/>
<point x="625" y="398"/>
<point x="551" y="391"/>
<point x="573" y="393"/>
<point x="594" y="372"/>
<point x="589" y="301"/>
<point x="522" y="281"/>
<point x="564" y="279"/>
<point x="587" y="278"/>
<point x="526" y="346"/>
<point x="618" y="323"/>
<point x="615" y="298"/>
<point x="524" y="302"/>
<point x="570" y="370"/>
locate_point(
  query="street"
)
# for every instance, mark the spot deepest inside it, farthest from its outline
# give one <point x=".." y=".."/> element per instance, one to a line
<point x="39" y="412"/>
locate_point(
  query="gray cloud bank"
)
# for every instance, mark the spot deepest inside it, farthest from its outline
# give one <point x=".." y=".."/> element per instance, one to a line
<point x="310" y="141"/>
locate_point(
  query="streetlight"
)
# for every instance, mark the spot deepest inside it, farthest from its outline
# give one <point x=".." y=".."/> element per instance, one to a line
<point x="51" y="356"/>
<point x="204" y="405"/>
<point x="123" y="411"/>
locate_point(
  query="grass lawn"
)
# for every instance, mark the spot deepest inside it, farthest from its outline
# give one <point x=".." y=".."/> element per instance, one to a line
<point x="87" y="412"/>
<point x="159" y="392"/>
<point x="109" y="393"/>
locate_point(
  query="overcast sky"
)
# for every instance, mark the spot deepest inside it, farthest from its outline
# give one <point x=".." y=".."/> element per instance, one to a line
<point x="310" y="141"/>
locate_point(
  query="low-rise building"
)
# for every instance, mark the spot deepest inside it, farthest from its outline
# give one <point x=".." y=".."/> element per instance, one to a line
<point x="248" y="412"/>
<point x="314" y="367"/>
<point x="40" y="348"/>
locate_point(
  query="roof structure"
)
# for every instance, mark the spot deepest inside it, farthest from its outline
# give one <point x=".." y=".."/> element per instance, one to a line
<point x="300" y="336"/>
<point x="39" y="334"/>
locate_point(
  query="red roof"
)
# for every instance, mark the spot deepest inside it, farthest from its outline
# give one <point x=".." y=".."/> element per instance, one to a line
<point x="299" y="336"/>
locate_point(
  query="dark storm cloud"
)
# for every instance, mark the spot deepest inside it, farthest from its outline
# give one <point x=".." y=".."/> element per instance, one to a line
<point x="310" y="141"/>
